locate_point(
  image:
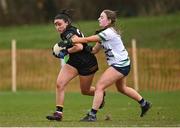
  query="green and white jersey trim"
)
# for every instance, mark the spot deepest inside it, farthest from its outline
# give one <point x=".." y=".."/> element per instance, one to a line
<point x="102" y="37"/>
<point x="114" y="49"/>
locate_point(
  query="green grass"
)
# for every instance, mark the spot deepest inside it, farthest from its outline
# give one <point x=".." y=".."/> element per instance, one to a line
<point x="30" y="108"/>
<point x="150" y="32"/>
<point x="153" y="32"/>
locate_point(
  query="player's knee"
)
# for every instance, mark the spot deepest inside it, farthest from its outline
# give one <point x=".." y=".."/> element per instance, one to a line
<point x="99" y="88"/>
<point x="60" y="85"/>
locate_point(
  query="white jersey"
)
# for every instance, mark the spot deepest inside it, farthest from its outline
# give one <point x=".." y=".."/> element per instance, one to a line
<point x="114" y="49"/>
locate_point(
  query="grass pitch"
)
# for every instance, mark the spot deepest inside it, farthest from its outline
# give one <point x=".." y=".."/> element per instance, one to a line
<point x="29" y="109"/>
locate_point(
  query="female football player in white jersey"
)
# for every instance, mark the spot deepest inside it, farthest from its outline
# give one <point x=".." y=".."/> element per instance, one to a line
<point x="118" y="60"/>
<point x="81" y="63"/>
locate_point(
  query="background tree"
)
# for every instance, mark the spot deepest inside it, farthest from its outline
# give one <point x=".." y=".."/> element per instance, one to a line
<point x="42" y="11"/>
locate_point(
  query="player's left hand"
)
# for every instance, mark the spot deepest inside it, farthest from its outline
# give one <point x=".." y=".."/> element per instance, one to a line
<point x="65" y="43"/>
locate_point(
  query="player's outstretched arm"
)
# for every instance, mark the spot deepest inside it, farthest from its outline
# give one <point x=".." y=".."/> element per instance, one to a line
<point x="94" y="38"/>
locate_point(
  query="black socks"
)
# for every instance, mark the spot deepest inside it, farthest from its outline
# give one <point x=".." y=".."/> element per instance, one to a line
<point x="142" y="102"/>
<point x="59" y="108"/>
<point x="93" y="111"/>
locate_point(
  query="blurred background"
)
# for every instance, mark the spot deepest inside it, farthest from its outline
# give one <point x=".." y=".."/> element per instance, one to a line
<point x="42" y="11"/>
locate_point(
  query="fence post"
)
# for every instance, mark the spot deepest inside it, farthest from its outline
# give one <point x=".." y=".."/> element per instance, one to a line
<point x="13" y="64"/>
<point x="135" y="69"/>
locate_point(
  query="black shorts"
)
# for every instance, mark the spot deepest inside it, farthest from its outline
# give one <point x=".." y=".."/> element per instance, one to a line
<point x="85" y="66"/>
<point x="123" y="70"/>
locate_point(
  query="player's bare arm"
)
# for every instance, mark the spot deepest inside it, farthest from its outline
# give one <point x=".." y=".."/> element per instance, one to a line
<point x="76" y="47"/>
<point x="94" y="38"/>
<point x="96" y="48"/>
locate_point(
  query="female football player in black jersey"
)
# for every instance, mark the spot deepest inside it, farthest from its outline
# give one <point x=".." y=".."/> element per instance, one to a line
<point x="81" y="62"/>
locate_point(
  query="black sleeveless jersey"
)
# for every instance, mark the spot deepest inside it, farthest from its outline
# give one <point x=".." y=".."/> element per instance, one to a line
<point x="82" y="58"/>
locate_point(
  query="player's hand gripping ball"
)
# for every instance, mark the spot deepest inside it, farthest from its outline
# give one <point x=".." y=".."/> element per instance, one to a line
<point x="59" y="51"/>
<point x="56" y="49"/>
